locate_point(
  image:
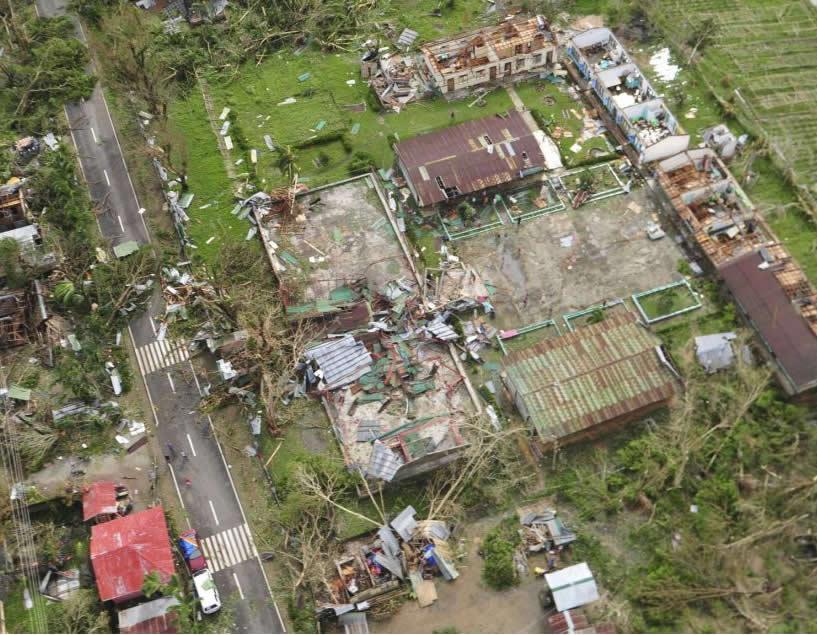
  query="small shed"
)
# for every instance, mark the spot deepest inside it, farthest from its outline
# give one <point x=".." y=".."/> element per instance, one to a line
<point x="715" y="352"/>
<point x="156" y="616"/>
<point x="99" y="502"/>
<point x="572" y="586"/>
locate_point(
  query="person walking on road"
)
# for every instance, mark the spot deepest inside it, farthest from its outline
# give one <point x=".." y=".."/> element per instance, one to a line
<point x="184" y="456"/>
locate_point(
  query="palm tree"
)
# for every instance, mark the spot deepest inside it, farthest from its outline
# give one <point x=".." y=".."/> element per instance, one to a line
<point x="188" y="603"/>
<point x="286" y="162"/>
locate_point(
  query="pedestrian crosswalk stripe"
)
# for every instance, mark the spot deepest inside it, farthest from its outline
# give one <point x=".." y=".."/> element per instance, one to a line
<point x="161" y="354"/>
<point x="228" y="548"/>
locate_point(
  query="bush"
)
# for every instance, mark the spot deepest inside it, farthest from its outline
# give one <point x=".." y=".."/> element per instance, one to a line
<point x="683" y="267"/>
<point x="498" y="570"/>
<point x="373" y="101"/>
<point x="361" y="162"/>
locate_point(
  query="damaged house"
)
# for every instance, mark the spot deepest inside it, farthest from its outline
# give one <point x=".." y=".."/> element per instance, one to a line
<point x="473" y="156"/>
<point x="627" y="95"/>
<point x="584" y="383"/>
<point x="510" y="51"/>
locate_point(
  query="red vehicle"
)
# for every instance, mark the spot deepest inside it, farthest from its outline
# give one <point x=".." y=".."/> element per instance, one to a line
<point x="189" y="544"/>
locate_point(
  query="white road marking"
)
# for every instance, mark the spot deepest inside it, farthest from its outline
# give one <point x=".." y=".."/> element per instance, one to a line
<point x="210" y="554"/>
<point x="157" y="355"/>
<point x="170" y="380"/>
<point x="232" y="534"/>
<point x="228" y="547"/>
<point x="93" y="134"/>
<point x="107" y="180"/>
<point x="238" y="584"/>
<point x="193" y="450"/>
<point x="213" y="509"/>
<point x="178" y="491"/>
<point x="252" y="542"/>
<point x="152" y="324"/>
<point x="121" y="225"/>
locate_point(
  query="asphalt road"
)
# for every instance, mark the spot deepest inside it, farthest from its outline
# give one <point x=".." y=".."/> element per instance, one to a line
<point x="210" y="500"/>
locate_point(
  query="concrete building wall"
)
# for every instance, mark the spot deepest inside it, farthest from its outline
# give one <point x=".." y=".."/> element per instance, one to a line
<point x="503" y="68"/>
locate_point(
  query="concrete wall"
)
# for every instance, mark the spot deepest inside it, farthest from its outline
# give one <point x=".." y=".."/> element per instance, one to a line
<point x="534" y="61"/>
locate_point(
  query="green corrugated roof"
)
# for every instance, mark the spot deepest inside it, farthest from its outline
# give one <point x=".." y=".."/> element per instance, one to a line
<point x="598" y="373"/>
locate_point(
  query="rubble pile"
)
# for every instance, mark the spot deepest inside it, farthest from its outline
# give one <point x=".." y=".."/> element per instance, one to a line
<point x="370" y="571"/>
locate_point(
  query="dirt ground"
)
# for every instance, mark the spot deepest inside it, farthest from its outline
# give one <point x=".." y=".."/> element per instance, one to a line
<point x="471" y="607"/>
<point x="349" y="237"/>
<point x="572" y="260"/>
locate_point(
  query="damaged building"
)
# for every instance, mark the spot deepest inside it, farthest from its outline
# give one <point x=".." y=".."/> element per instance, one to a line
<point x="473" y="156"/>
<point x="709" y="207"/>
<point x="771" y="289"/>
<point x="513" y="50"/>
<point x="379" y="356"/>
<point x="394" y="78"/>
<point x="778" y="301"/>
<point x="627" y="95"/>
<point x="583" y="383"/>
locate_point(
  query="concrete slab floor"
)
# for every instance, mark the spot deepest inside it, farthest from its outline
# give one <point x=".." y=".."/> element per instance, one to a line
<point x="349" y="229"/>
<point x="570" y="260"/>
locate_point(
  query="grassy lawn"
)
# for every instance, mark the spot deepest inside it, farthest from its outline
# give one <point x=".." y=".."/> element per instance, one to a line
<point x="321" y="108"/>
<point x="208" y="180"/>
<point x="534" y="93"/>
<point x="667" y="301"/>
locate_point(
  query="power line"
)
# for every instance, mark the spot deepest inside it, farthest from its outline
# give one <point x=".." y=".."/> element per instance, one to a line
<point x="26" y="549"/>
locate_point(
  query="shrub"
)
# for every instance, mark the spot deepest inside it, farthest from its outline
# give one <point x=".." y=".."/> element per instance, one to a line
<point x="361" y="162"/>
<point x="498" y="570"/>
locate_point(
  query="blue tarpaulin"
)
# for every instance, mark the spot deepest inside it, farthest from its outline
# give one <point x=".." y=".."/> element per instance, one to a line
<point x="189" y="547"/>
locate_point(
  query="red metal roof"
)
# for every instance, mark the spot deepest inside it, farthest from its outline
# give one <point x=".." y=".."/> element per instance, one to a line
<point x="785" y="332"/>
<point x="470" y="156"/>
<point x="125" y="549"/>
<point x="98" y="498"/>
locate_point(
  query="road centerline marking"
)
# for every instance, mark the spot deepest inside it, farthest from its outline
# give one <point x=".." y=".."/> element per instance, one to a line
<point x="213" y="509"/>
<point x="192" y="449"/>
<point x="238" y="584"/>
<point x="121" y="224"/>
<point x="93" y="134"/>
<point x="107" y="179"/>
<point x="170" y="380"/>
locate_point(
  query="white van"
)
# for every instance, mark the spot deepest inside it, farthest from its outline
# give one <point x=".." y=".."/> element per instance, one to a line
<point x="206" y="591"/>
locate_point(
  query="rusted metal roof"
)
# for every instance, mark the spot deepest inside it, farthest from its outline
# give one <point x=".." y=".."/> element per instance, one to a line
<point x="470" y="156"/>
<point x="781" y="326"/>
<point x="601" y="372"/>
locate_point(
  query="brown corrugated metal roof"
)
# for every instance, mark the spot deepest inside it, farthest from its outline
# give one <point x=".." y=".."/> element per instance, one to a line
<point x="785" y="332"/>
<point x="459" y="155"/>
<point x="600" y="372"/>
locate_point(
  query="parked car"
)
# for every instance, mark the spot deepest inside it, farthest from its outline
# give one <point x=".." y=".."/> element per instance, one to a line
<point x="189" y="544"/>
<point x="206" y="591"/>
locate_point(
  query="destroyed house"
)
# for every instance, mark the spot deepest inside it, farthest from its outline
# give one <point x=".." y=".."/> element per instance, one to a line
<point x="710" y="208"/>
<point x="395" y="404"/>
<point x="13" y="331"/>
<point x="342" y="260"/>
<point x="780" y="303"/>
<point x="627" y="95"/>
<point x="470" y="157"/>
<point x="582" y="383"/>
<point x="506" y="51"/>
<point x="12" y="207"/>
